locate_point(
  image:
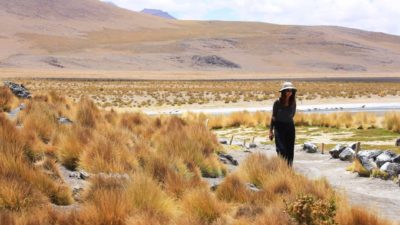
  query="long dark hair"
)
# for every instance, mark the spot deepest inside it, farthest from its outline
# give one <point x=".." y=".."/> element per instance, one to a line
<point x="292" y="98"/>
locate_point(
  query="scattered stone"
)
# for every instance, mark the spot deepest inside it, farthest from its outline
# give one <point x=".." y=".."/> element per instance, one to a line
<point x="223" y="141"/>
<point x="347" y="154"/>
<point x="18" y="90"/>
<point x="75" y="175"/>
<point x="353" y="146"/>
<point x="223" y="160"/>
<point x="384" y="157"/>
<point x="84" y="175"/>
<point x="14" y="113"/>
<point x="310" y="147"/>
<point x="393" y="169"/>
<point x="230" y="159"/>
<point x="398" y="142"/>
<point x="252" y="187"/>
<point x="367" y="163"/>
<point x="370" y="154"/>
<point x="396" y="159"/>
<point x="252" y="145"/>
<point x="64" y="120"/>
<point x="120" y="176"/>
<point x="335" y="152"/>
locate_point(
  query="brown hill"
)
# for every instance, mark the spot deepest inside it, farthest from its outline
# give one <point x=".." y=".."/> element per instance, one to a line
<point x="92" y="35"/>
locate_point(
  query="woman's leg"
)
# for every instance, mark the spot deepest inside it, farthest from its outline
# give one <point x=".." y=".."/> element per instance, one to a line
<point x="291" y="137"/>
<point x="279" y="140"/>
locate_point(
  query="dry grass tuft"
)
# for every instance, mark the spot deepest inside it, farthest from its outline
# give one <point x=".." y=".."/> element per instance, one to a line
<point x="233" y="189"/>
<point x="87" y="115"/>
<point x="6" y="99"/>
<point x="391" y="121"/>
<point x="202" y="207"/>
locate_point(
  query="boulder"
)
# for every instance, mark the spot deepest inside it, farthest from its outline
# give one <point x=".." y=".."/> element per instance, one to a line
<point x="398" y="142"/>
<point x="367" y="163"/>
<point x="335" y="152"/>
<point x="386" y="156"/>
<point x="393" y="169"/>
<point x="347" y="154"/>
<point x="396" y="159"/>
<point x="370" y="154"/>
<point x="353" y="146"/>
<point x="310" y="147"/>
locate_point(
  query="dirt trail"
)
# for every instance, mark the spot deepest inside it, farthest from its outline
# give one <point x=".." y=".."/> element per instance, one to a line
<point x="381" y="196"/>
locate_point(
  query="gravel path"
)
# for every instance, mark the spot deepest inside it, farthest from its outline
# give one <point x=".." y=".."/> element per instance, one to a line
<point x="379" y="195"/>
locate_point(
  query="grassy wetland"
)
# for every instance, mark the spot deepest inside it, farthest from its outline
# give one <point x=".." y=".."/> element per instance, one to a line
<point x="147" y="169"/>
<point x="132" y="95"/>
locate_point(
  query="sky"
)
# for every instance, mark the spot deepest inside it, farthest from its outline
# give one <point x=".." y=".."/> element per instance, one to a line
<point x="372" y="15"/>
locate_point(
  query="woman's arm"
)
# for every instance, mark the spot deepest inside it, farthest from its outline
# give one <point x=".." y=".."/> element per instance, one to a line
<point x="272" y="123"/>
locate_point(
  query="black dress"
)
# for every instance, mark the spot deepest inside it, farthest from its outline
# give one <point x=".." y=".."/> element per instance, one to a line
<point x="284" y="130"/>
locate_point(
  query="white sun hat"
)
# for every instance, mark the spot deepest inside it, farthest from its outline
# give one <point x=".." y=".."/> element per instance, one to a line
<point x="287" y="85"/>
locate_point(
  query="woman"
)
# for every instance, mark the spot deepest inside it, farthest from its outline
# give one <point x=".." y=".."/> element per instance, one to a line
<point x="282" y="124"/>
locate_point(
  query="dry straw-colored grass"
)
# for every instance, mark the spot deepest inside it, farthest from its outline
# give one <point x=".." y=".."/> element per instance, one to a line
<point x="391" y="121"/>
<point x="154" y="167"/>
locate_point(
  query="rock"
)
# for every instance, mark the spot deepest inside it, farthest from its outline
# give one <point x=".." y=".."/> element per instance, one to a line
<point x="393" y="169"/>
<point x="84" y="175"/>
<point x="347" y="154"/>
<point x="367" y="163"/>
<point x="398" y="142"/>
<point x="384" y="157"/>
<point x="252" y="187"/>
<point x="223" y="160"/>
<point x="223" y="141"/>
<point x="18" y="90"/>
<point x="75" y="175"/>
<point x="252" y="145"/>
<point x="64" y="120"/>
<point x="335" y="152"/>
<point x="396" y="159"/>
<point x="353" y="146"/>
<point x="310" y="147"/>
<point x="370" y="154"/>
<point x="230" y="159"/>
<point x="120" y="176"/>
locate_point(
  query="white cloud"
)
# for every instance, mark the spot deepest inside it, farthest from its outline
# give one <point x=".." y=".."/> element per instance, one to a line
<point x="374" y="15"/>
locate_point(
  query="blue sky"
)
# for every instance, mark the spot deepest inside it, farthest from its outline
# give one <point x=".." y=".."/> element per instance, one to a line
<point x="373" y="15"/>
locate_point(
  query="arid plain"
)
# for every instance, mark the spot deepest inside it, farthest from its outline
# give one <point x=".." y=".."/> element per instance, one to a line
<point x="83" y="151"/>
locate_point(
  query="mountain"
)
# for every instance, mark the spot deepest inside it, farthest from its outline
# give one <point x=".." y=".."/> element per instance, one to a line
<point x="94" y="35"/>
<point x="159" y="13"/>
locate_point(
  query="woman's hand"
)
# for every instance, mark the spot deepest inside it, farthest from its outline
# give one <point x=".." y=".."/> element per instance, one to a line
<point x="271" y="135"/>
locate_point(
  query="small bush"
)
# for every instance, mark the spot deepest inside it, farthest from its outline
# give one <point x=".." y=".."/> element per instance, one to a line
<point x="307" y="209"/>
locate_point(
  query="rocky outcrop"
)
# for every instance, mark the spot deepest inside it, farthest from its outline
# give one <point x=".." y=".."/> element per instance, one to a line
<point x="393" y="169"/>
<point x="18" y="90"/>
<point x="384" y="158"/>
<point x="213" y="61"/>
<point x="370" y="154"/>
